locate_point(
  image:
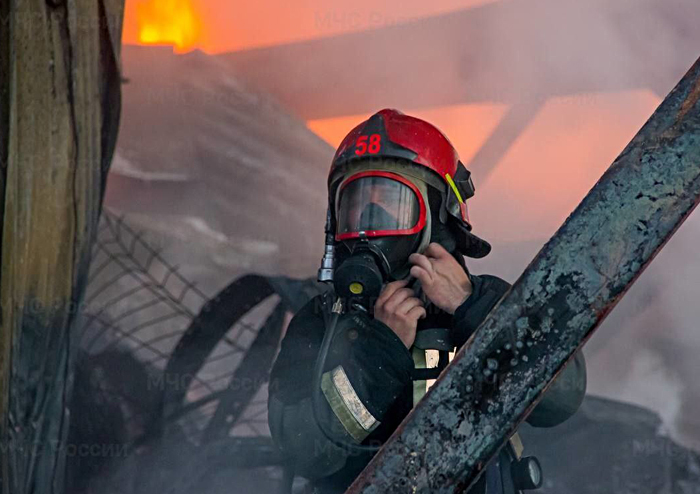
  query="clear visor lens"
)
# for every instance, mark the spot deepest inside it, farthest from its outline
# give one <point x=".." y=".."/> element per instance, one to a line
<point x="377" y="204"/>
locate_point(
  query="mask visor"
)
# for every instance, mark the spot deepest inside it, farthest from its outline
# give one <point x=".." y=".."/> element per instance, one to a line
<point x="374" y="204"/>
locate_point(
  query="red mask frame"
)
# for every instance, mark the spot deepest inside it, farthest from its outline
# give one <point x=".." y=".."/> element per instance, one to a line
<point x="422" y="214"/>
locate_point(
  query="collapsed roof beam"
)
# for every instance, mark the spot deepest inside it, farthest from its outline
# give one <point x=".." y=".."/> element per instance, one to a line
<point x="511" y="126"/>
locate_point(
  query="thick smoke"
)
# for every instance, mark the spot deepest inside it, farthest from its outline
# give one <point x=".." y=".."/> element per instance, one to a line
<point x="215" y="159"/>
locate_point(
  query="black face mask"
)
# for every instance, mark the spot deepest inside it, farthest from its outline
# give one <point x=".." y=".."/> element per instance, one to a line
<point x="366" y="264"/>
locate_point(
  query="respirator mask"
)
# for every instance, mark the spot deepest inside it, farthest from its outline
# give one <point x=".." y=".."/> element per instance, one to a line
<point x="381" y="219"/>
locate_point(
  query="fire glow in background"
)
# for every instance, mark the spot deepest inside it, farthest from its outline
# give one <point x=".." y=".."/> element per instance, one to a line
<point x="168" y="22"/>
<point x="537" y="183"/>
<point x="229" y="26"/>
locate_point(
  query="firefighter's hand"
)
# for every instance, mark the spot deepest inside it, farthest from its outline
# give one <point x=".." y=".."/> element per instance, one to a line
<point x="443" y="280"/>
<point x="399" y="308"/>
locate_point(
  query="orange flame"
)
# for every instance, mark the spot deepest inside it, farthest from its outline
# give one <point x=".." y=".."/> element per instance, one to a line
<point x="172" y="22"/>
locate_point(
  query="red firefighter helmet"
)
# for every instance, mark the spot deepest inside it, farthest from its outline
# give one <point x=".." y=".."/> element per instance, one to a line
<point x="427" y="155"/>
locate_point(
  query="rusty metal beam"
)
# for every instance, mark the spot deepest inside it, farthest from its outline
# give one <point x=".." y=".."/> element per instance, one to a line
<point x="553" y="308"/>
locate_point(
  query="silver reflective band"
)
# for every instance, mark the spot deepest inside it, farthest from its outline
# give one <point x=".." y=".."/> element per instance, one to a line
<point x="351" y="400"/>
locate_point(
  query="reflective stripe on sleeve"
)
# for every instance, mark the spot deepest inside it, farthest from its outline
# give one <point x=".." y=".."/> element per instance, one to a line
<point x="346" y="404"/>
<point x="517" y="444"/>
<point x="419" y="362"/>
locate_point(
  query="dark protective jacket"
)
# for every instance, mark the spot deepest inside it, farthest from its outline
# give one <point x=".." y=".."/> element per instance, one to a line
<point x="368" y="386"/>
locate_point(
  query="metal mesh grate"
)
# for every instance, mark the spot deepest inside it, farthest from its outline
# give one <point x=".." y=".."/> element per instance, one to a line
<point x="140" y="304"/>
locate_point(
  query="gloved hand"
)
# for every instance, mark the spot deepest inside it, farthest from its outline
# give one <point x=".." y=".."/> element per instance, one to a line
<point x="442" y="279"/>
<point x="400" y="309"/>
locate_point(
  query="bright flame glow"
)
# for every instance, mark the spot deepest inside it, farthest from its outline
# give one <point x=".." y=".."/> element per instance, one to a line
<point x="173" y="22"/>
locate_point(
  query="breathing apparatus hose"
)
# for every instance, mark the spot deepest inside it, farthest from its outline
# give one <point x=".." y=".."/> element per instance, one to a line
<point x="328" y="336"/>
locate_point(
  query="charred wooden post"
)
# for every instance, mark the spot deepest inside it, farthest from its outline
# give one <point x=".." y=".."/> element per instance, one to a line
<point x="563" y="295"/>
<point x="59" y="111"/>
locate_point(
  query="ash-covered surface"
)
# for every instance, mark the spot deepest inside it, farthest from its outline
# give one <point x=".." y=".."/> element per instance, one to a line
<point x="114" y="403"/>
<point x="230" y="181"/>
<point x="612" y="447"/>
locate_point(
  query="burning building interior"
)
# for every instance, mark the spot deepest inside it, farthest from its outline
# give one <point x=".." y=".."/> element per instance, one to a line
<point x="211" y="229"/>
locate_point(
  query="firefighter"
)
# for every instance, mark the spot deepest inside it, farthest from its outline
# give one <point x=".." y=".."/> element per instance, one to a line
<point x="397" y="233"/>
